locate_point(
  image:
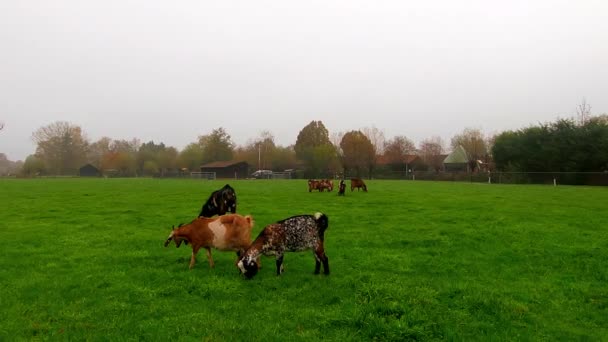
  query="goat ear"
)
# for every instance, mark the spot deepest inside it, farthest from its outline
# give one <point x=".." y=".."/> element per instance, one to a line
<point x="213" y="201"/>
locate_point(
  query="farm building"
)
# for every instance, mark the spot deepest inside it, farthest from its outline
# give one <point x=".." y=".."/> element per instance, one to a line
<point x="413" y="162"/>
<point x="458" y="160"/>
<point x="227" y="169"/>
<point x="89" y="170"/>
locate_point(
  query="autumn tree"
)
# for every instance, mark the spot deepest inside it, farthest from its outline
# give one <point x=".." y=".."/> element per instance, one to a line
<point x="32" y="166"/>
<point x="156" y="158"/>
<point x="97" y="150"/>
<point x="358" y="153"/>
<point x="167" y="159"/>
<point x="315" y="149"/>
<point x="284" y="158"/>
<point x="258" y="152"/>
<point x="7" y="167"/>
<point x="396" y="151"/>
<point x="376" y="137"/>
<point x="62" y="147"/>
<point x="147" y="157"/>
<point x="217" y="146"/>
<point x="191" y="157"/>
<point x="431" y="151"/>
<point x="266" y="150"/>
<point x="122" y="157"/>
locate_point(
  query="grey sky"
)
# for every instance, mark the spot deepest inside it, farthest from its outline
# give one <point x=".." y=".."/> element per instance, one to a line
<point x="170" y="71"/>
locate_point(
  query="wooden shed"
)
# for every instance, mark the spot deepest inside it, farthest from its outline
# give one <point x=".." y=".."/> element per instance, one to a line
<point x="227" y="169"/>
<point x="89" y="170"/>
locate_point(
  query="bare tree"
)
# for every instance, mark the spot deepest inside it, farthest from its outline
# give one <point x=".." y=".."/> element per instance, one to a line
<point x="397" y="149"/>
<point x="431" y="151"/>
<point x="376" y="137"/>
<point x="474" y="143"/>
<point x="336" y="138"/>
<point x="62" y="146"/>
<point x="583" y="112"/>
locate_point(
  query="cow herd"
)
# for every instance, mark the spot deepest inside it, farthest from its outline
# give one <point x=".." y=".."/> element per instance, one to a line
<point x="328" y="184"/>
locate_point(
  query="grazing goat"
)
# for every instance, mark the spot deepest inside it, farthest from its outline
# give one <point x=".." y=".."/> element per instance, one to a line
<point x="357" y="183"/>
<point x="341" y="188"/>
<point x="220" y="202"/>
<point x="295" y="234"/>
<point x="228" y="232"/>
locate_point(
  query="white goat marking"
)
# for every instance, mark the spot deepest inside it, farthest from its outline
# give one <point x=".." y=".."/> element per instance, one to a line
<point x="241" y="266"/>
<point x="219" y="232"/>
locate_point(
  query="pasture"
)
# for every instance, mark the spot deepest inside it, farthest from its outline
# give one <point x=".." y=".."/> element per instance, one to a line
<point x="83" y="259"/>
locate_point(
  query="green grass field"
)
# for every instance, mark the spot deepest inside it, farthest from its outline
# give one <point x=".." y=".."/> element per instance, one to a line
<point x="84" y="260"/>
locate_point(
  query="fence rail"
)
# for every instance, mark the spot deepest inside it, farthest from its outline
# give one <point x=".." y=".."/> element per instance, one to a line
<point x="496" y="177"/>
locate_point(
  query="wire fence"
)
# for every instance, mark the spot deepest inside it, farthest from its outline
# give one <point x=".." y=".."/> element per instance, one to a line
<point x="550" y="178"/>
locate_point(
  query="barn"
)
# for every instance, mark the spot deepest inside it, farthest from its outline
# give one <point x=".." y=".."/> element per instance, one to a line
<point x="227" y="169"/>
<point x="89" y="170"/>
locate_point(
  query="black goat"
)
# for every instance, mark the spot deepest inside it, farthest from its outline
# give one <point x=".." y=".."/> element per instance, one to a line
<point x="342" y="188"/>
<point x="220" y="202"/>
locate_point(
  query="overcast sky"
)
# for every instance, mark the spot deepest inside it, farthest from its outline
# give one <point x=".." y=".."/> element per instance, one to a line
<point x="170" y="71"/>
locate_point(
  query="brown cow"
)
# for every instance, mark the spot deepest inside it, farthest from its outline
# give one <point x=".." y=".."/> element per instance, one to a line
<point x="329" y="184"/>
<point x="357" y="183"/>
<point x="321" y="185"/>
<point x="313" y="184"/>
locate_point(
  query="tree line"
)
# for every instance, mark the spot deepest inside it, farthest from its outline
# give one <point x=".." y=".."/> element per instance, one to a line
<point x="564" y="145"/>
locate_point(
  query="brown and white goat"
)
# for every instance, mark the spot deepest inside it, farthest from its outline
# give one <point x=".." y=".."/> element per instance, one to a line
<point x="295" y="234"/>
<point x="227" y="233"/>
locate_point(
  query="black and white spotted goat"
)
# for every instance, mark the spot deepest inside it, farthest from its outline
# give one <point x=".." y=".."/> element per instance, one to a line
<point x="295" y="234"/>
<point x="220" y="202"/>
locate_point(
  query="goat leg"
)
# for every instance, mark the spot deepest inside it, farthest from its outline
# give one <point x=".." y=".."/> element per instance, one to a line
<point x="325" y="264"/>
<point x="209" y="257"/>
<point x="321" y="257"/>
<point x="279" y="264"/>
<point x="193" y="258"/>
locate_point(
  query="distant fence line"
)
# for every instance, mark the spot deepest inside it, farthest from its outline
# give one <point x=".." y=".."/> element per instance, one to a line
<point x="496" y="177"/>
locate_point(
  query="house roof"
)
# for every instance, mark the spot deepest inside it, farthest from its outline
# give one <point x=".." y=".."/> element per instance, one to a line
<point x="458" y="156"/>
<point x="89" y="166"/>
<point x="223" y="163"/>
<point x="410" y="158"/>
